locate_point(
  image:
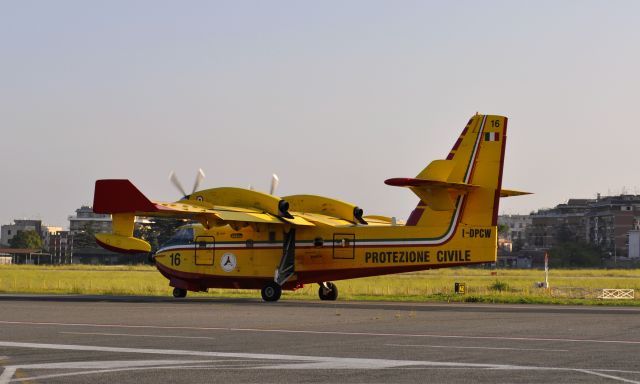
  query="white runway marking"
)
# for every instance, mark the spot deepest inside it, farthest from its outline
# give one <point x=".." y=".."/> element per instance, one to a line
<point x="495" y="306"/>
<point x="460" y="347"/>
<point x="591" y="372"/>
<point x="138" y="335"/>
<point x="93" y="366"/>
<point x="286" y="362"/>
<point x="339" y="333"/>
<point x="352" y="362"/>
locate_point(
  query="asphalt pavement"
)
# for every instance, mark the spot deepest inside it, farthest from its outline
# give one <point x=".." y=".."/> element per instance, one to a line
<point x="103" y="339"/>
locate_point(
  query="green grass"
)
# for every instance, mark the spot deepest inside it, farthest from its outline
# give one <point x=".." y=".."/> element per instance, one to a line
<point x="482" y="286"/>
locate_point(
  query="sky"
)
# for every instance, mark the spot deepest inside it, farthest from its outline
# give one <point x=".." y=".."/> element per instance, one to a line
<point x="333" y="96"/>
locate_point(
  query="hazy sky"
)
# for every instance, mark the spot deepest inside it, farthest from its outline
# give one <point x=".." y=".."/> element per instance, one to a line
<point x="333" y="96"/>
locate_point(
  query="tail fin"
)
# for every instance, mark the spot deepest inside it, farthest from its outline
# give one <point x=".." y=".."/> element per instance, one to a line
<point x="466" y="186"/>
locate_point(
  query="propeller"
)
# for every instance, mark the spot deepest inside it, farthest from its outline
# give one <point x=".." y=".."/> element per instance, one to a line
<point x="174" y="180"/>
<point x="274" y="184"/>
<point x="199" y="177"/>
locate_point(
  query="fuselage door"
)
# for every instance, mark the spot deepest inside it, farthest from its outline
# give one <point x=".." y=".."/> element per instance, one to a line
<point x="344" y="246"/>
<point x="205" y="250"/>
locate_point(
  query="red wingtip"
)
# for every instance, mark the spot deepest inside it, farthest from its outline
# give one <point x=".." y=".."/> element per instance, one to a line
<point x="120" y="196"/>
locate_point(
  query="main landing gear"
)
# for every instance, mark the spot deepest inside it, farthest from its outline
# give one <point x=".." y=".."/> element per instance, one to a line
<point x="271" y="291"/>
<point x="179" y="293"/>
<point x="328" y="291"/>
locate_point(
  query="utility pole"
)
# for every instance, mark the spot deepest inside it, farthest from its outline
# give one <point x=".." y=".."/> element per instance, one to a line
<point x="546" y="270"/>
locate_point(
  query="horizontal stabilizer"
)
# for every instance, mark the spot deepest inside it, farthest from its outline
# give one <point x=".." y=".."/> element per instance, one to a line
<point x="411" y="182"/>
<point x="434" y="193"/>
<point x="509" y="193"/>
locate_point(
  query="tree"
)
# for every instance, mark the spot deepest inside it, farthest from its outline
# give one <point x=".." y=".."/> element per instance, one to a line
<point x="86" y="238"/>
<point x="574" y="254"/>
<point x="26" y="239"/>
<point x="503" y="229"/>
<point x="158" y="231"/>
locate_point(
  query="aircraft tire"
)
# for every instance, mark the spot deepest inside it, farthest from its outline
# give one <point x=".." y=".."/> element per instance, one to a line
<point x="331" y="295"/>
<point x="179" y="293"/>
<point x="271" y="292"/>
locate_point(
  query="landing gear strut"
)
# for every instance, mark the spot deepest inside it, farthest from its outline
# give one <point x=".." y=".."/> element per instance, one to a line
<point x="328" y="291"/>
<point x="179" y="293"/>
<point x="271" y="291"/>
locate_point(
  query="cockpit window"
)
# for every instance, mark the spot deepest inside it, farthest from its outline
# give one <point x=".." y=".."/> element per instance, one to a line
<point x="182" y="236"/>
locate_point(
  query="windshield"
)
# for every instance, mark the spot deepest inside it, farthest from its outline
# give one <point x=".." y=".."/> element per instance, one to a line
<point x="183" y="236"/>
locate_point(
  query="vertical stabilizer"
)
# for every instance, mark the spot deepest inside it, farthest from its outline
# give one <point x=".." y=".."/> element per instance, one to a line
<point x="465" y="187"/>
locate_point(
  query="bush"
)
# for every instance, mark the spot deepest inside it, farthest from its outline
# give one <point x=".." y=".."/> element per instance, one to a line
<point x="499" y="286"/>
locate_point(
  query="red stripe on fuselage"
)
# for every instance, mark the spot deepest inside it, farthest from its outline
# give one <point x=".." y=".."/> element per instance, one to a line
<point x="415" y="216"/>
<point x="496" y="198"/>
<point x="307" y="277"/>
<point x="203" y="281"/>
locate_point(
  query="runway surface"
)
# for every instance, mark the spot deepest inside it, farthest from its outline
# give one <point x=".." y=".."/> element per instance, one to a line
<point x="77" y="339"/>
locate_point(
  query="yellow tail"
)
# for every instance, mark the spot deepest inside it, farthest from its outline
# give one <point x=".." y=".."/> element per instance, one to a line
<point x="465" y="187"/>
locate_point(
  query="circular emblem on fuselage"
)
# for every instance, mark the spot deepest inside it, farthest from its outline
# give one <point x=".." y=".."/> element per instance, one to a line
<point x="228" y="262"/>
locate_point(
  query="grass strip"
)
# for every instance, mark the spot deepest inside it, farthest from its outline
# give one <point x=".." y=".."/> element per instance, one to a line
<point x="577" y="287"/>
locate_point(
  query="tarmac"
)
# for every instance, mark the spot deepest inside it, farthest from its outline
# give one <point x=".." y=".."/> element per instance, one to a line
<point x="104" y="339"/>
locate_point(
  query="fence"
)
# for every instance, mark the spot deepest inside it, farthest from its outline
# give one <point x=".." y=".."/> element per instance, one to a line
<point x="617" y="294"/>
<point x="593" y="293"/>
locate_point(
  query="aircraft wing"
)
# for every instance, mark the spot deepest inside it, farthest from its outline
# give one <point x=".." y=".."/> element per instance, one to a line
<point x="122" y="197"/>
<point x="323" y="220"/>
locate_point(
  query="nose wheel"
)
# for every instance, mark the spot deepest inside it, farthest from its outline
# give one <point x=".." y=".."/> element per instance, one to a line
<point x="271" y="291"/>
<point x="328" y="291"/>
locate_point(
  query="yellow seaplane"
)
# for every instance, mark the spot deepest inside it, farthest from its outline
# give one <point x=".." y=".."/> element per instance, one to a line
<point x="241" y="238"/>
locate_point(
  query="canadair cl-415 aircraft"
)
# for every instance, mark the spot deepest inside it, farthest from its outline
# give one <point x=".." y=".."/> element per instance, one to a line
<point x="240" y="238"/>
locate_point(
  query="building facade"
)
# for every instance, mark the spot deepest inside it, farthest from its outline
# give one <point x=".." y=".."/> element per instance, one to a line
<point x="517" y="225"/>
<point x="9" y="231"/>
<point x="87" y="220"/>
<point x="60" y="247"/>
<point x="605" y="222"/>
<point x="565" y="222"/>
<point x="609" y="221"/>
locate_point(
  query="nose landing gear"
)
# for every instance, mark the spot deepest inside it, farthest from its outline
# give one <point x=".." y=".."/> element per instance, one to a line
<point x="328" y="291"/>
